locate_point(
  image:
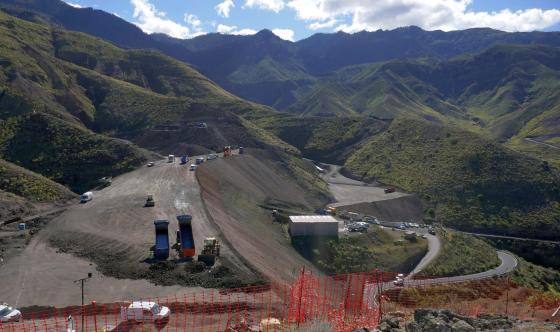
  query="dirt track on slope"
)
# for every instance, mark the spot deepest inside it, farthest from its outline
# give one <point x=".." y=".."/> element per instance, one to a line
<point x="233" y="189"/>
<point x="347" y="191"/>
<point x="114" y="231"/>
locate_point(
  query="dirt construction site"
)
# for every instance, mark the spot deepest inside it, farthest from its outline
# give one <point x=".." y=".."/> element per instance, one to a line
<point x="112" y="234"/>
<point x="231" y="199"/>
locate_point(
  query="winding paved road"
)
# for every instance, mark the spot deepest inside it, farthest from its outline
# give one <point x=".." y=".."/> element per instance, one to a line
<point x="341" y="185"/>
<point x="512" y="238"/>
<point x="541" y="143"/>
<point x="434" y="246"/>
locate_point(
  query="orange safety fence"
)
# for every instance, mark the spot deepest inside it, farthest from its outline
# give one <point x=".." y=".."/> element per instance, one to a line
<point x="344" y="302"/>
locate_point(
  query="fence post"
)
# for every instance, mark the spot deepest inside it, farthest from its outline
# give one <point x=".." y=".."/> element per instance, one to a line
<point x="94" y="308"/>
<point x="298" y="316"/>
<point x="507" y="295"/>
<point x="45" y="322"/>
<point x="379" y="278"/>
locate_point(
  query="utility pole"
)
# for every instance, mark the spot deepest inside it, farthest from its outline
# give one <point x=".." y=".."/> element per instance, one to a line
<point x="82" y="282"/>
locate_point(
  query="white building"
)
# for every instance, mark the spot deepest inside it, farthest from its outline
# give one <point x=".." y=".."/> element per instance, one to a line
<point x="313" y="226"/>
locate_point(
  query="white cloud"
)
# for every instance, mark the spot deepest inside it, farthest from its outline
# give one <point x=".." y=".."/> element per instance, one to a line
<point x="193" y="20"/>
<point x="272" y="5"/>
<point x="224" y="8"/>
<point x="150" y="20"/>
<point x="75" y="5"/>
<point x="195" y="23"/>
<point x="430" y="15"/>
<point x="285" y="34"/>
<point x="323" y="25"/>
<point x="233" y="30"/>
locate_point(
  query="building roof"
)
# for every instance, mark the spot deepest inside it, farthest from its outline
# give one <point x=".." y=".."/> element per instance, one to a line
<point x="313" y="219"/>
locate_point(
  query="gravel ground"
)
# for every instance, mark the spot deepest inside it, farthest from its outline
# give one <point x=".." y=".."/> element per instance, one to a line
<point x="113" y="233"/>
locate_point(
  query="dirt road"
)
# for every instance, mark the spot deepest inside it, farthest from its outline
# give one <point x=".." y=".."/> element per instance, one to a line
<point x="116" y="230"/>
<point x="347" y="191"/>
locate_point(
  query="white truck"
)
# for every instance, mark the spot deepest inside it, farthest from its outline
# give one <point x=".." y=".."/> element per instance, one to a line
<point x="86" y="197"/>
<point x="144" y="311"/>
<point x="171" y="158"/>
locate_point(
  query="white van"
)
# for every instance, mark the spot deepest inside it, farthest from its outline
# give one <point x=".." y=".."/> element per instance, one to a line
<point x="86" y="197"/>
<point x="144" y="311"/>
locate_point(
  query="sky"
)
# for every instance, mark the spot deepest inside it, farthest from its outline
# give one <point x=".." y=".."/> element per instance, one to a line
<point x="298" y="19"/>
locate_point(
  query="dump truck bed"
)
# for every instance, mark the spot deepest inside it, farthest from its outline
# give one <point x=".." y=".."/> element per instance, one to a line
<point x="186" y="235"/>
<point x="161" y="249"/>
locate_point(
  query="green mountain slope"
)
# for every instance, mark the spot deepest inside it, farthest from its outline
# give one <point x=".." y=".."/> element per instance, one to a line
<point x="470" y="182"/>
<point x="22" y="183"/>
<point x="67" y="100"/>
<point x="323" y="139"/>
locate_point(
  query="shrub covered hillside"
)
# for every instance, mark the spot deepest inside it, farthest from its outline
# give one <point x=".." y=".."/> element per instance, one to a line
<point x="471" y="183"/>
<point x="68" y="99"/>
<point x="462" y="254"/>
<point x="25" y="184"/>
<point x="329" y="140"/>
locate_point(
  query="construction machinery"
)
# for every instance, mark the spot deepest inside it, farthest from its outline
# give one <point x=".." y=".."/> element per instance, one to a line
<point x="210" y="251"/>
<point x="150" y="202"/>
<point x="161" y="248"/>
<point x="185" y="238"/>
<point x="227" y="151"/>
<point x="105" y="182"/>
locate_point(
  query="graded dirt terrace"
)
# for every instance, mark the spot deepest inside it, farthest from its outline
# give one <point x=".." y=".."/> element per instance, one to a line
<point x="347" y="191"/>
<point x="115" y="232"/>
<point x="234" y="189"/>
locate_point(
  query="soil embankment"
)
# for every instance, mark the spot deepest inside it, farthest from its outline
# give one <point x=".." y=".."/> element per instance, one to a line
<point x="234" y="191"/>
<point x="393" y="210"/>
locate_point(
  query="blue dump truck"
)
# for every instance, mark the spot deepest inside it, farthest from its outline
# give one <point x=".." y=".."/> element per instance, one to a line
<point x="184" y="160"/>
<point x="161" y="249"/>
<point x="185" y="236"/>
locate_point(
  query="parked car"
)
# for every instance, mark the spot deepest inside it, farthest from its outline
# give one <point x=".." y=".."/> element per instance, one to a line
<point x="212" y="157"/>
<point x="192" y="167"/>
<point x="199" y="160"/>
<point x="150" y="164"/>
<point x="145" y="311"/>
<point x="399" y="280"/>
<point x="9" y="314"/>
<point x="357" y="227"/>
<point x="402" y="226"/>
<point x="390" y="190"/>
<point x="432" y="231"/>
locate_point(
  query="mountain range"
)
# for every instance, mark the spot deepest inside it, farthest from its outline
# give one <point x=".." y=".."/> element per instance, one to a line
<point x="468" y="119"/>
<point x="503" y="83"/>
